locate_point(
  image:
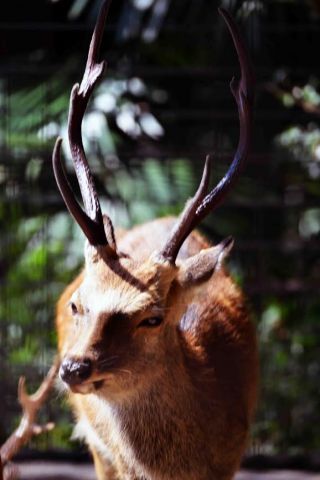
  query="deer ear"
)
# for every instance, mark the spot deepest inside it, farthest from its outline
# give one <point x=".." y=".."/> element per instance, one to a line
<point x="202" y="265"/>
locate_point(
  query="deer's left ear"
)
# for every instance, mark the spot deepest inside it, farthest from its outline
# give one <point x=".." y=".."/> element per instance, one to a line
<point x="202" y="265"/>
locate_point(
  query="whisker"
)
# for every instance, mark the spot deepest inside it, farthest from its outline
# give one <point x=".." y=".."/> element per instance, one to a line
<point x="111" y="358"/>
<point x="107" y="362"/>
<point x="124" y="371"/>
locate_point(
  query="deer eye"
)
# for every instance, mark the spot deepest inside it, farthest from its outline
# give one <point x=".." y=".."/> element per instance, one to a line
<point x="74" y="308"/>
<point x="151" y="322"/>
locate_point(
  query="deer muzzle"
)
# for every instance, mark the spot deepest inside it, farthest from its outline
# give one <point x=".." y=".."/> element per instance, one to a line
<point x="74" y="371"/>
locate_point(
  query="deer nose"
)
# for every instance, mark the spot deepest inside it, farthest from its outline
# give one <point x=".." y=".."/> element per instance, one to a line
<point x="74" y="372"/>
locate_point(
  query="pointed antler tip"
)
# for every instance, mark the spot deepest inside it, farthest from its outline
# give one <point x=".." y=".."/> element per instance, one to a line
<point x="247" y="80"/>
<point x="207" y="166"/>
<point x="224" y="14"/>
<point x="228" y="242"/>
<point x="57" y="146"/>
<point x="105" y="4"/>
<point x="74" y="91"/>
<point x="209" y="158"/>
<point x="56" y="160"/>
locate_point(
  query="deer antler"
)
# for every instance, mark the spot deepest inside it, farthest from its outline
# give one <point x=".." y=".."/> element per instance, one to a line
<point x="30" y="406"/>
<point x="90" y="221"/>
<point x="201" y="204"/>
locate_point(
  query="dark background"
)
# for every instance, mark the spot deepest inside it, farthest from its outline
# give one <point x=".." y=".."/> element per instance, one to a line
<point x="163" y="105"/>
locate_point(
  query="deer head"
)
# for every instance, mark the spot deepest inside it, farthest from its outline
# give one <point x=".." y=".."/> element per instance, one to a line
<point x="126" y="311"/>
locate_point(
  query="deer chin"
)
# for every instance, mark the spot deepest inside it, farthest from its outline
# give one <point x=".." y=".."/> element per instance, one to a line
<point x="85" y="388"/>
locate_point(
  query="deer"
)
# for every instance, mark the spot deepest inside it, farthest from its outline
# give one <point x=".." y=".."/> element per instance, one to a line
<point x="156" y="343"/>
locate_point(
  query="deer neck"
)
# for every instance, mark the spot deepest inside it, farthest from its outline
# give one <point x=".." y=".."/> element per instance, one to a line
<point x="159" y="425"/>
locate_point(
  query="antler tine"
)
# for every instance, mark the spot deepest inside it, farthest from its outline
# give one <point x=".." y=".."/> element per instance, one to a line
<point x="87" y="225"/>
<point x="200" y="205"/>
<point x="91" y="222"/>
<point x="182" y="228"/>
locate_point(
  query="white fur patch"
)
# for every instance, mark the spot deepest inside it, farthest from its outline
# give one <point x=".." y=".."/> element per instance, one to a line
<point x="117" y="299"/>
<point x="107" y="418"/>
<point x="84" y="431"/>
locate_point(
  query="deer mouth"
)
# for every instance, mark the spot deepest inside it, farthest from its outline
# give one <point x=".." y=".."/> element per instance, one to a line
<point x="87" y="387"/>
<point x="98" y="384"/>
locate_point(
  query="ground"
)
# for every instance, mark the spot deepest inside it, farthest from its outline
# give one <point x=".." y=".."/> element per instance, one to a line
<point x="69" y="471"/>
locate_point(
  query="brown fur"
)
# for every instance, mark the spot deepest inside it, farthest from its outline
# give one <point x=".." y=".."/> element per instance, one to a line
<point x="171" y="402"/>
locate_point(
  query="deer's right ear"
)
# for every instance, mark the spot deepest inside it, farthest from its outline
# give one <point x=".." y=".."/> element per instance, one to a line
<point x="201" y="266"/>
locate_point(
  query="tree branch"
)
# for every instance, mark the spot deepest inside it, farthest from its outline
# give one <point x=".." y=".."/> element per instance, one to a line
<point x="28" y="427"/>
